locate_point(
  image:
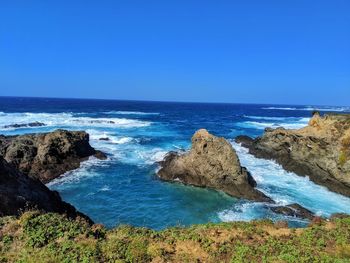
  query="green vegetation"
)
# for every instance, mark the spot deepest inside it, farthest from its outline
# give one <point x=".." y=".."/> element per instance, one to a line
<point x="36" y="237"/>
<point x="345" y="150"/>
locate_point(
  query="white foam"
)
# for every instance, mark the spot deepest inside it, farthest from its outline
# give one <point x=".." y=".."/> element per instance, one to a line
<point x="131" y="113"/>
<point x="152" y="156"/>
<point x="68" y="119"/>
<point x="105" y="188"/>
<point x="271" y="118"/>
<point x="301" y="122"/>
<point x="85" y="170"/>
<point x="311" y="108"/>
<point x="278" y="108"/>
<point x="286" y="187"/>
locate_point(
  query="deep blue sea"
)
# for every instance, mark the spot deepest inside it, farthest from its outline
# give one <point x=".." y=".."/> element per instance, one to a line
<point x="124" y="188"/>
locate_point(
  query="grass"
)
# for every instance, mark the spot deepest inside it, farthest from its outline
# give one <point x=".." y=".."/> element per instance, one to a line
<point x="37" y="237"/>
<point x="344" y="154"/>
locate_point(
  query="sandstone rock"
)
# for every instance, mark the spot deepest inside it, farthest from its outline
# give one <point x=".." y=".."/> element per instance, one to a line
<point x="213" y="163"/>
<point x="321" y="150"/>
<point x="47" y="155"/>
<point x="19" y="193"/>
<point x="294" y="210"/>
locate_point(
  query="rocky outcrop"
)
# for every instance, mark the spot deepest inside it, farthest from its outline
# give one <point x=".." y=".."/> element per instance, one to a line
<point x="213" y="163"/>
<point x="321" y="150"/>
<point x="19" y="193"/>
<point x="25" y="125"/>
<point x="47" y="155"/>
<point x="293" y="210"/>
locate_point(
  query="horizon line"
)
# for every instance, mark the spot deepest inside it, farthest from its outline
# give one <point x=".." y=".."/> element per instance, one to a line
<point x="173" y="101"/>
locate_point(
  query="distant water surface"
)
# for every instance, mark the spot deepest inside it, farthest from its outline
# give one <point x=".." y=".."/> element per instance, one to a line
<point x="124" y="188"/>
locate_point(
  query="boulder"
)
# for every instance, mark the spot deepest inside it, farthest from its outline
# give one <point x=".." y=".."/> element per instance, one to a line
<point x="321" y="150"/>
<point x="19" y="193"/>
<point x="212" y="163"/>
<point x="47" y="155"/>
<point x="294" y="210"/>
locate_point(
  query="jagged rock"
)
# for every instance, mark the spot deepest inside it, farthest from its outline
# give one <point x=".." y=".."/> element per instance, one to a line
<point x="19" y="192"/>
<point x="294" y="210"/>
<point x="321" y="150"/>
<point x="47" y="155"/>
<point x="213" y="163"/>
<point x="23" y="125"/>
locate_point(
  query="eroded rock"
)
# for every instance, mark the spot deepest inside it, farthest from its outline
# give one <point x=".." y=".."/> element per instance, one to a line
<point x="47" y="155"/>
<point x="321" y="150"/>
<point x="213" y="163"/>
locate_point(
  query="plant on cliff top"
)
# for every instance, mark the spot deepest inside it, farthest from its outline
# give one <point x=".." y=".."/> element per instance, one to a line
<point x="54" y="238"/>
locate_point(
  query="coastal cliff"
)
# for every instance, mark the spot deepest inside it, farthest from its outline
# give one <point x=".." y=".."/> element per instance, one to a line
<point x="47" y="155"/>
<point x="19" y="193"/>
<point x="320" y="150"/>
<point x="51" y="237"/>
<point x="213" y="163"/>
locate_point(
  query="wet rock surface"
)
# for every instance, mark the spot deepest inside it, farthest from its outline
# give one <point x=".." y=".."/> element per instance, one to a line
<point x="294" y="210"/>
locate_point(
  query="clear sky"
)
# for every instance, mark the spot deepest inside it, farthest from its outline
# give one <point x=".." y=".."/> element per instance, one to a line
<point x="282" y="51"/>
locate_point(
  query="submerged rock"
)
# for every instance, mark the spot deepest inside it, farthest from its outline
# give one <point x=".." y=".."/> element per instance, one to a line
<point x="321" y="150"/>
<point x="47" y="155"/>
<point x="294" y="210"/>
<point x="23" y="125"/>
<point x="213" y="163"/>
<point x="19" y="193"/>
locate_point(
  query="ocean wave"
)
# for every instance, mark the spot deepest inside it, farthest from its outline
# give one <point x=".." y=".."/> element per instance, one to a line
<point x="302" y="122"/>
<point x="109" y="137"/>
<point x="278" y="108"/>
<point x="271" y="118"/>
<point x="311" y="108"/>
<point x="68" y="119"/>
<point x="87" y="169"/>
<point x="131" y="113"/>
<point x="152" y="156"/>
<point x="287" y="187"/>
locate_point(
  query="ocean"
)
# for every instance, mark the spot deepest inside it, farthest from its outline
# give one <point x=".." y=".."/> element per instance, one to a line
<point x="124" y="189"/>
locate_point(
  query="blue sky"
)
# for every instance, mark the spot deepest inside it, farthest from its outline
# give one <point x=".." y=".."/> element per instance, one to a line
<point x="288" y="52"/>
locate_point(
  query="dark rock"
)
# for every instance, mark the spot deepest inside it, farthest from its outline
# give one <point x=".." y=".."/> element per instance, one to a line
<point x="19" y="193"/>
<point x="47" y="155"/>
<point x="294" y="210"/>
<point x="213" y="163"/>
<point x="104" y="139"/>
<point x="31" y="124"/>
<point x="244" y="140"/>
<point x="321" y="150"/>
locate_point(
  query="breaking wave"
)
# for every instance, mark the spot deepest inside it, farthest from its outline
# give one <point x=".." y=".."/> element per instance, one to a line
<point x="68" y="119"/>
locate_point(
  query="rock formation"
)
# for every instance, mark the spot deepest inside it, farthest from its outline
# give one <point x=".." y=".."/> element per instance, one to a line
<point x="47" y="155"/>
<point x="294" y="210"/>
<point x="19" y="192"/>
<point x="213" y="163"/>
<point x="25" y="125"/>
<point x="321" y="150"/>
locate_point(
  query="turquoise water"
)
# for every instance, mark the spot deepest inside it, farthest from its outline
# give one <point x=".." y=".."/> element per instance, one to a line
<point x="124" y="188"/>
